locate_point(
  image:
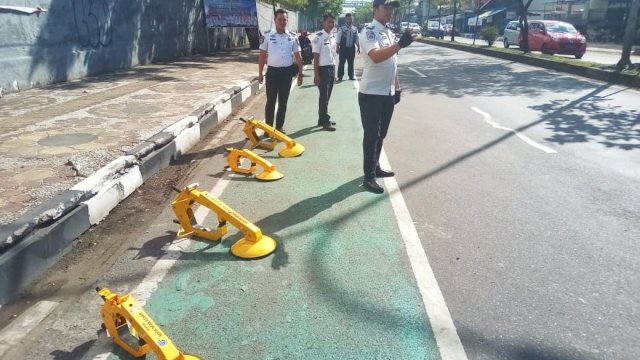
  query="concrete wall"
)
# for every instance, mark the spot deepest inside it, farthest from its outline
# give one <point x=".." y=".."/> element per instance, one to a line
<point x="77" y="38"/>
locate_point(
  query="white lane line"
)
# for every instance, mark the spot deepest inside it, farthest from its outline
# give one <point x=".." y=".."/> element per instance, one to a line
<point x="23" y="324"/>
<point x="417" y="72"/>
<point x="526" y="139"/>
<point x="103" y="346"/>
<point x="442" y="325"/>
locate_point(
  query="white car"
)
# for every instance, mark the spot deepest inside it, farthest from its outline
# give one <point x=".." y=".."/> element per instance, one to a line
<point x="413" y="27"/>
<point x="511" y="34"/>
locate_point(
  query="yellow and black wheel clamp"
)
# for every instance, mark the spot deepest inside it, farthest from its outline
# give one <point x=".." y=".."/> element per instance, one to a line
<point x="291" y="148"/>
<point x="269" y="171"/>
<point x="122" y="316"/>
<point x="253" y="245"/>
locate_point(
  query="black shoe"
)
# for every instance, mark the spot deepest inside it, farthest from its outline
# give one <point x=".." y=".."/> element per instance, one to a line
<point x="352" y="78"/>
<point x="338" y="79"/>
<point x="322" y="124"/>
<point x="381" y="173"/>
<point x="328" y="127"/>
<point x="372" y="185"/>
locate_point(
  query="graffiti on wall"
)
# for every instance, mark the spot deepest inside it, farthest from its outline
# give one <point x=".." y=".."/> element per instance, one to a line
<point x="93" y="23"/>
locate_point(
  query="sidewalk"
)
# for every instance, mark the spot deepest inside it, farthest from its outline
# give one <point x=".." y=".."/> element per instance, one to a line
<point x="53" y="140"/>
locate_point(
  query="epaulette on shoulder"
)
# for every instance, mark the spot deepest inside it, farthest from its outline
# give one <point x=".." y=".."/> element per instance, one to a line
<point x="292" y="33"/>
<point x="319" y="33"/>
<point x="267" y="31"/>
<point x="370" y="27"/>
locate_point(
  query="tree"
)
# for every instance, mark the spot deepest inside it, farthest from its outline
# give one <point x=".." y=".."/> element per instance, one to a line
<point x="363" y="13"/>
<point x="629" y="36"/>
<point x="317" y="8"/>
<point x="523" y="9"/>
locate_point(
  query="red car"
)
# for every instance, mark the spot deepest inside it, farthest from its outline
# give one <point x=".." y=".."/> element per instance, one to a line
<point x="556" y="37"/>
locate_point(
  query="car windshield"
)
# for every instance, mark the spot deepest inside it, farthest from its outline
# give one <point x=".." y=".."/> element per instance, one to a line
<point x="562" y="28"/>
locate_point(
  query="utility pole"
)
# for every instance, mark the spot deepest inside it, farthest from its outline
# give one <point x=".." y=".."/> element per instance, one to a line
<point x="453" y="26"/>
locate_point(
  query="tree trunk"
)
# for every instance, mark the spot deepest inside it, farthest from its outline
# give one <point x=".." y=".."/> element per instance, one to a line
<point x="629" y="36"/>
<point x="524" y="25"/>
<point x="453" y="27"/>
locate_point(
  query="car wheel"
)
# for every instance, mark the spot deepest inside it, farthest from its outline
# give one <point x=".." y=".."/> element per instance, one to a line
<point x="545" y="50"/>
<point x="506" y="43"/>
<point x="578" y="56"/>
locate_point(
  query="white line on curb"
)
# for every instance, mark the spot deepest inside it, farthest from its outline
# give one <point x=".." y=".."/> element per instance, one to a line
<point x="487" y="118"/>
<point x="441" y="323"/>
<point x="23" y="324"/>
<point x="103" y="346"/>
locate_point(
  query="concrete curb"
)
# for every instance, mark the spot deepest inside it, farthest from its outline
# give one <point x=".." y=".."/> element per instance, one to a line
<point x="38" y="239"/>
<point x="597" y="74"/>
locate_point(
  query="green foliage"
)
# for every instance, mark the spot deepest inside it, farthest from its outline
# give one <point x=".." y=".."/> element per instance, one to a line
<point x="315" y="9"/>
<point x="489" y="34"/>
<point x="363" y="14"/>
<point x="293" y="5"/>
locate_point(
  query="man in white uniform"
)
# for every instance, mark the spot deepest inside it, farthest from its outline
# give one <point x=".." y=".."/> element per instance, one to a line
<point x="278" y="50"/>
<point x="324" y="68"/>
<point x="379" y="88"/>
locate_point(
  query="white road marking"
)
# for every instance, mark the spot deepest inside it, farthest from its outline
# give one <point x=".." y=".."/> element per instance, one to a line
<point x="417" y="72"/>
<point x="23" y="324"/>
<point x="442" y="325"/>
<point x="103" y="346"/>
<point x="526" y="139"/>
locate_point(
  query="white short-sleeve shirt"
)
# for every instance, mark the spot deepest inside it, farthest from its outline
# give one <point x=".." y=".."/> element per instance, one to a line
<point x="280" y="47"/>
<point x="324" y="44"/>
<point x="380" y="78"/>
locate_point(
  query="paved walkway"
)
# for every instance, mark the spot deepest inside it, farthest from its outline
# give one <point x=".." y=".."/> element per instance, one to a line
<point x="52" y="138"/>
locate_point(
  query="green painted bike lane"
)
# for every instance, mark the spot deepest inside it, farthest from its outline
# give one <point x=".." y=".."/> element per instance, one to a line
<point x="338" y="286"/>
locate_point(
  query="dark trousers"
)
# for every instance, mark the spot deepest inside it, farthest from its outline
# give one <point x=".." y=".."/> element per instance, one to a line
<point x="278" y="87"/>
<point x="375" y="113"/>
<point x="346" y="54"/>
<point x="327" y="78"/>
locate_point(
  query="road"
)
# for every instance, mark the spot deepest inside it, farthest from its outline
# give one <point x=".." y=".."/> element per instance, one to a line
<point x="597" y="55"/>
<point x="520" y="184"/>
<point x="532" y="236"/>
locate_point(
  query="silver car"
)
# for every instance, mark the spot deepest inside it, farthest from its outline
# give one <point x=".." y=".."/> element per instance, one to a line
<point x="511" y="34"/>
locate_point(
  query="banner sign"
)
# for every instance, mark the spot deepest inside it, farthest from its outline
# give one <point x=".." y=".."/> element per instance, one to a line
<point x="222" y="13"/>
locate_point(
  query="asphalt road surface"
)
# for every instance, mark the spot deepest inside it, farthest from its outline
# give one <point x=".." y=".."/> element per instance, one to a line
<point x="524" y="187"/>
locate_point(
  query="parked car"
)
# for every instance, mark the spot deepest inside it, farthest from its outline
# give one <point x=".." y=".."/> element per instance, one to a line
<point x="511" y="34"/>
<point x="556" y="37"/>
<point x="404" y="26"/>
<point x="413" y="27"/>
<point x="434" y="29"/>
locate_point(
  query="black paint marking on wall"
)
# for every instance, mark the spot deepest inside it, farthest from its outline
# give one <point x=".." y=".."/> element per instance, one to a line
<point x="93" y="23"/>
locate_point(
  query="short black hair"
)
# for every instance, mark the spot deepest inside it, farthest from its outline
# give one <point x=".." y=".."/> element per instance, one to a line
<point x="347" y="15"/>
<point x="279" y="11"/>
<point x="326" y="16"/>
